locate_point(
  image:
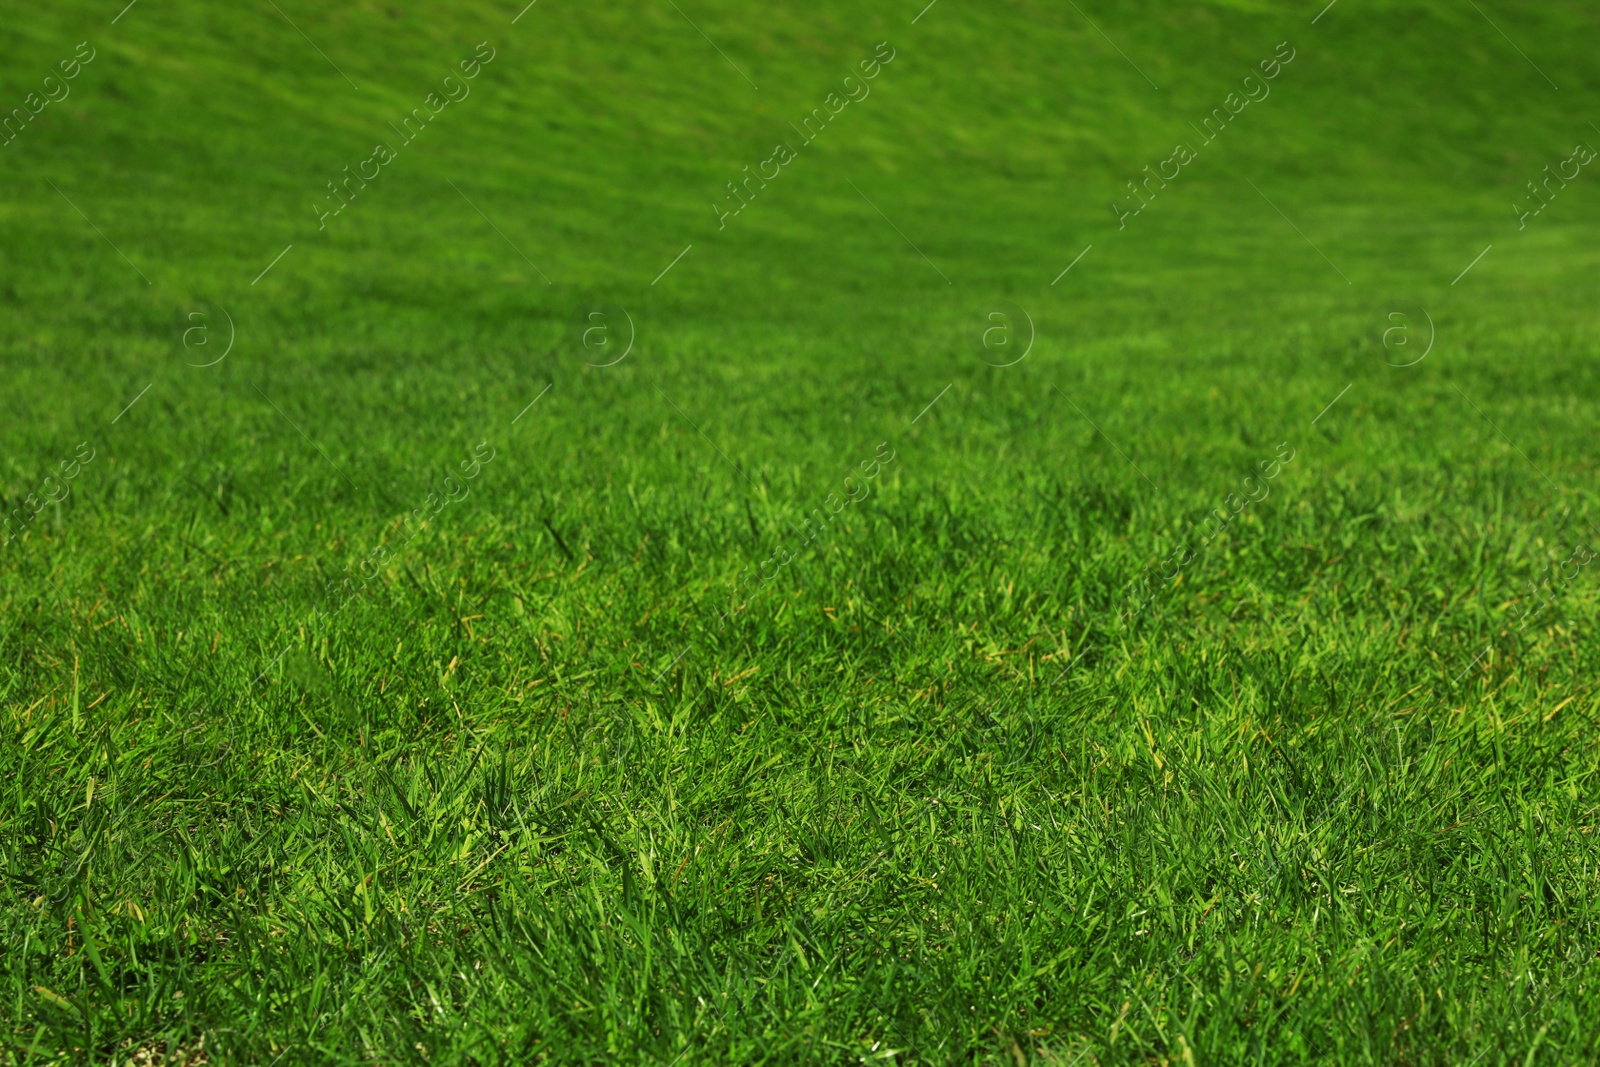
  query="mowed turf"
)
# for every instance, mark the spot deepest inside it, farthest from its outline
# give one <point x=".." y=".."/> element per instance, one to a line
<point x="425" y="680"/>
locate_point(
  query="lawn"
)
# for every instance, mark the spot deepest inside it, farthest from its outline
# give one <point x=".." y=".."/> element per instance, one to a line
<point x="707" y="533"/>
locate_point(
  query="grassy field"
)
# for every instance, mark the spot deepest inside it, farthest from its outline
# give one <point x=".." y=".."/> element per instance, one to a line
<point x="533" y="601"/>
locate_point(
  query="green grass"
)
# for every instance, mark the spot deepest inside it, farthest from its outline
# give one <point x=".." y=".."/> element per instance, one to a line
<point x="558" y="775"/>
